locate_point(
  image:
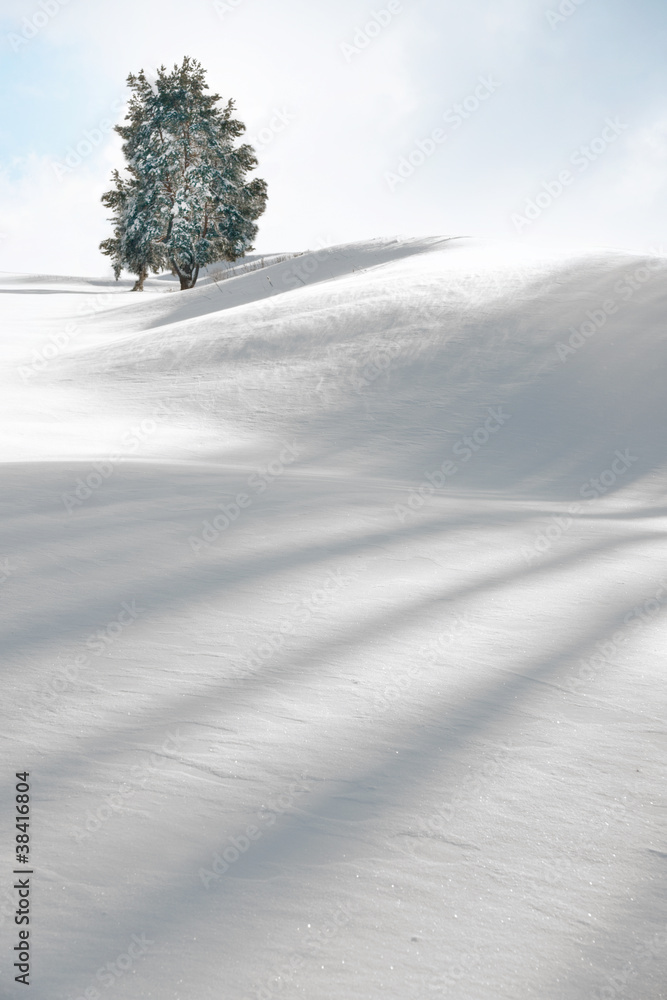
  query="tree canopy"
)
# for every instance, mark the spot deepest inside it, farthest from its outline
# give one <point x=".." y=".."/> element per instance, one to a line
<point x="183" y="200"/>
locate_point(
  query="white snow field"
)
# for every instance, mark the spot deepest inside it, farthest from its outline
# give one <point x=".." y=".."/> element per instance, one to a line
<point x="333" y="598"/>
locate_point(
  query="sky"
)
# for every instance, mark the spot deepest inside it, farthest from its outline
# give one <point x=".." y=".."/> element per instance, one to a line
<point x="530" y="120"/>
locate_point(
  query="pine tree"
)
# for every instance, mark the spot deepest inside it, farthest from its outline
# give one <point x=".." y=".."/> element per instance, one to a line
<point x="184" y="202"/>
<point x="135" y="244"/>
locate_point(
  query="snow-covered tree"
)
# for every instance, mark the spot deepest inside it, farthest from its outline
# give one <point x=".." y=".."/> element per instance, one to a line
<point x="135" y="244"/>
<point x="184" y="201"/>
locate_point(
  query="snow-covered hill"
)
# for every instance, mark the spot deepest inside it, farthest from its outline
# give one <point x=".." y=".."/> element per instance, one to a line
<point x="333" y="596"/>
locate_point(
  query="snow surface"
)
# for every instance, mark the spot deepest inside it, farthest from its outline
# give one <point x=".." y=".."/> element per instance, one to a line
<point x="431" y="722"/>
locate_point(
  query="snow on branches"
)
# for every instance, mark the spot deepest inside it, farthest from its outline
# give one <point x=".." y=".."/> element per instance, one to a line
<point x="183" y="200"/>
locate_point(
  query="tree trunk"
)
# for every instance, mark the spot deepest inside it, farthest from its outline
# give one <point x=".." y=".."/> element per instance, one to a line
<point x="139" y="283"/>
<point x="188" y="280"/>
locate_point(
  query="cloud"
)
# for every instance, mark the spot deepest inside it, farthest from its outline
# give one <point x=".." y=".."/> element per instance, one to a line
<point x="643" y="176"/>
<point x="52" y="224"/>
<point x="349" y="119"/>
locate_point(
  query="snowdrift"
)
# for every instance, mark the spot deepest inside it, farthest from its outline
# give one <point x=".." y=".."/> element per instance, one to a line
<point x="385" y="356"/>
<point x="333" y="612"/>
